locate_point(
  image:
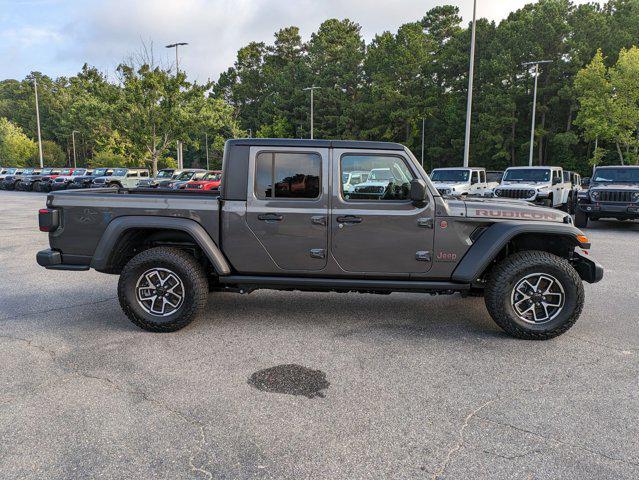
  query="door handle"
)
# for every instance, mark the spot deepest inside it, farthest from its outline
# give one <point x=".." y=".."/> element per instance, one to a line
<point x="270" y="217"/>
<point x="349" y="219"/>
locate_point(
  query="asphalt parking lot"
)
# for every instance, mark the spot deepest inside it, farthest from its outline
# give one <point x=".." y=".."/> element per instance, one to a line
<point x="411" y="386"/>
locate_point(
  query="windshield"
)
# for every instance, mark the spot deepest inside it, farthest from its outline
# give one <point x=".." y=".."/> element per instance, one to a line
<point x="184" y="176"/>
<point x="11" y="171"/>
<point x="120" y="172"/>
<point x="47" y="171"/>
<point x="79" y="172"/>
<point x="527" y="175"/>
<point x="165" y="174"/>
<point x="212" y="176"/>
<point x="99" y="172"/>
<point x="494" y="176"/>
<point x="27" y="171"/>
<point x="381" y="175"/>
<point x="66" y="171"/>
<point x="616" y="175"/>
<point x="450" y="175"/>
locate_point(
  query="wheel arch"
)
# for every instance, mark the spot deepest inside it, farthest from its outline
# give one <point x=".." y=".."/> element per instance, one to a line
<point x="124" y="234"/>
<point x="501" y="239"/>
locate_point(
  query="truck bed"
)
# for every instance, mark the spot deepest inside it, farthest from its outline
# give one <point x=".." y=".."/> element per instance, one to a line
<point x="85" y="214"/>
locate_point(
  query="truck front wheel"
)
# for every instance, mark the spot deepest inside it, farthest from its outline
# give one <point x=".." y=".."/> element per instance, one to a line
<point x="534" y="295"/>
<point x="162" y="289"/>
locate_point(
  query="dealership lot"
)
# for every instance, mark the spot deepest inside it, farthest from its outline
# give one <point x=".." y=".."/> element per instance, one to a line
<point x="418" y="386"/>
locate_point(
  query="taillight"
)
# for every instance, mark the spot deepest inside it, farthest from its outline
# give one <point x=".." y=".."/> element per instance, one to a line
<point x="48" y="219"/>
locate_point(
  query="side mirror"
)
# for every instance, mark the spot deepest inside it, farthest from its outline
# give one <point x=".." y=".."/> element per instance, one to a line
<point x="418" y="193"/>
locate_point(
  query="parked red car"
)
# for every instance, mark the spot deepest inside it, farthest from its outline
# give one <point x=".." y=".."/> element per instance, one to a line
<point x="210" y="181"/>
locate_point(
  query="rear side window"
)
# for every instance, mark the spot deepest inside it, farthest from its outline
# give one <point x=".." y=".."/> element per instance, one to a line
<point x="287" y="175"/>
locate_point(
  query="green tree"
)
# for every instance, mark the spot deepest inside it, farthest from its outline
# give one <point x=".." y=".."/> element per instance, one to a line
<point x="16" y="148"/>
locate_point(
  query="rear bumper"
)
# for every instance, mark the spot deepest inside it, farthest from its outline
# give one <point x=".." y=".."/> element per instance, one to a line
<point x="52" y="260"/>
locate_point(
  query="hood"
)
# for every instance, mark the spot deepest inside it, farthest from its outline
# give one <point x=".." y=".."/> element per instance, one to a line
<point x="614" y="186"/>
<point x="204" y="182"/>
<point x="449" y="184"/>
<point x="523" y="185"/>
<point x="502" y="209"/>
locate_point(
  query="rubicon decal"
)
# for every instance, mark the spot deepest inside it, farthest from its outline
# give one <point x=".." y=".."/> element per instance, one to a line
<point x="480" y="212"/>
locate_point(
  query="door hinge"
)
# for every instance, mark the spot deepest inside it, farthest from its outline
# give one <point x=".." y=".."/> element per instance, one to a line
<point x="423" y="256"/>
<point x="318" y="253"/>
<point x="319" y="220"/>
<point x="425" y="222"/>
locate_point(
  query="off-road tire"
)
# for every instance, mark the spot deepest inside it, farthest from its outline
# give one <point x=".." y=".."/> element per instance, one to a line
<point x="581" y="218"/>
<point x="510" y="271"/>
<point x="182" y="264"/>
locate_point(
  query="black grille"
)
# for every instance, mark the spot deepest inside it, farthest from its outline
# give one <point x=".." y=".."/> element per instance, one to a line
<point x="612" y="196"/>
<point x="514" y="193"/>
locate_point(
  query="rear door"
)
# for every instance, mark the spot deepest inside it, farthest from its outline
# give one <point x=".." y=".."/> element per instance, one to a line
<point x="378" y="229"/>
<point x="287" y="206"/>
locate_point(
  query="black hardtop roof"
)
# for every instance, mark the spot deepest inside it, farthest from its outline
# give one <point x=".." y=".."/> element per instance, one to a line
<point x="293" y="142"/>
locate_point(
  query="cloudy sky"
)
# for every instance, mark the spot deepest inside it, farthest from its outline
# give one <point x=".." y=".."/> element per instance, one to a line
<point x="57" y="36"/>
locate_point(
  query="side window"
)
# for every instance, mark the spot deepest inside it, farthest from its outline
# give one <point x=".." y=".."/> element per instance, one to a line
<point x="475" y="178"/>
<point x="287" y="175"/>
<point x="482" y="176"/>
<point x="144" y="174"/>
<point x="132" y="174"/>
<point x="384" y="177"/>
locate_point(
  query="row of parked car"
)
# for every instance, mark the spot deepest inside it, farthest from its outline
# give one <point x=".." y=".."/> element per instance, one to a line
<point x="53" y="179"/>
<point x="611" y="192"/>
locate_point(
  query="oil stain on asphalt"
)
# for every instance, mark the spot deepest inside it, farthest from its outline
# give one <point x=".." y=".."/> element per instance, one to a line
<point x="291" y="379"/>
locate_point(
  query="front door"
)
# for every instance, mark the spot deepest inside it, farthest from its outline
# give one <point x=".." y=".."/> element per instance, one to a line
<point x="287" y="206"/>
<point x="375" y="228"/>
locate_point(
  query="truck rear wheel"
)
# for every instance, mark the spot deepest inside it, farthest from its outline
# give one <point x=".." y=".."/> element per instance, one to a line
<point x="534" y="295"/>
<point x="581" y="218"/>
<point x="162" y="289"/>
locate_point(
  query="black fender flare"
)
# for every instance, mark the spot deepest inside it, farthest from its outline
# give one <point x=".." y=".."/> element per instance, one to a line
<point x="497" y="236"/>
<point x="119" y="225"/>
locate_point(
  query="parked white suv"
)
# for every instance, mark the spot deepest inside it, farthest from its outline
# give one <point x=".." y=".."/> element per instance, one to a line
<point x="350" y="179"/>
<point x="459" y="181"/>
<point x="540" y="185"/>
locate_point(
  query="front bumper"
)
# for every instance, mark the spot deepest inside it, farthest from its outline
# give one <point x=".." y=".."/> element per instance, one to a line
<point x="618" y="210"/>
<point x="52" y="260"/>
<point x="589" y="270"/>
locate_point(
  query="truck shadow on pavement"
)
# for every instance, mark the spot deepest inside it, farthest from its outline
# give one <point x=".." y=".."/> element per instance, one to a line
<point x="348" y="315"/>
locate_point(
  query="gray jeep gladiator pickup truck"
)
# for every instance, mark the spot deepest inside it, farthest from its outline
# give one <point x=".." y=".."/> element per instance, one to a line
<point x="282" y="220"/>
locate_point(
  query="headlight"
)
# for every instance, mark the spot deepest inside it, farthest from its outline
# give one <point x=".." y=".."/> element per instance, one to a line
<point x="531" y="193"/>
<point x="635" y="197"/>
<point x="498" y="193"/>
<point x="595" y="195"/>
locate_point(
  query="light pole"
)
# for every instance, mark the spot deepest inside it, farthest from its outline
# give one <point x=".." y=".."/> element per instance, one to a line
<point x="206" y="142"/>
<point x="471" y="77"/>
<point x="177" y="60"/>
<point x="312" y="89"/>
<point x="536" y="64"/>
<point x="35" y="87"/>
<point x="75" y="160"/>
<point x="423" y="130"/>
